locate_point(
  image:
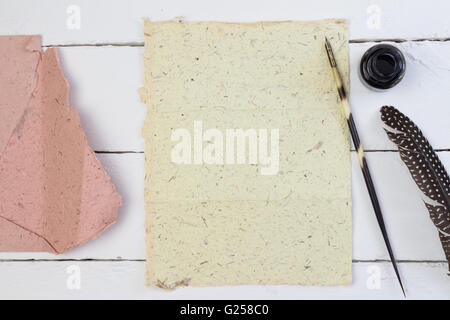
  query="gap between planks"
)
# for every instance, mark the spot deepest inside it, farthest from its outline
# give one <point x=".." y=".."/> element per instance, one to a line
<point x="351" y="150"/>
<point x="141" y="44"/>
<point x="143" y="260"/>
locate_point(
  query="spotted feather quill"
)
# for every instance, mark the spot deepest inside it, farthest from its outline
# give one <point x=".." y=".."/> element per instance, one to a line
<point x="425" y="167"/>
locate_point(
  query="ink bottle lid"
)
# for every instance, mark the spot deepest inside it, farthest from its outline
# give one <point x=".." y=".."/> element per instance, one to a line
<point x="382" y="66"/>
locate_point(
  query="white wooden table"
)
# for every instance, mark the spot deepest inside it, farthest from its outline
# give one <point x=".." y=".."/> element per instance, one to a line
<point x="103" y="62"/>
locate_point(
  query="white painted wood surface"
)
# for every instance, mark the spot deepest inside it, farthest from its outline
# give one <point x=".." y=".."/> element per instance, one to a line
<point x="123" y="280"/>
<point x="102" y="62"/>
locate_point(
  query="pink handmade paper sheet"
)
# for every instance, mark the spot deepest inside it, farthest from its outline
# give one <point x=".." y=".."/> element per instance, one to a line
<point x="54" y="193"/>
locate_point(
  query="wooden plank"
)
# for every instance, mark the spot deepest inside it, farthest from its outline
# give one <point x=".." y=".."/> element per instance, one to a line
<point x="103" y="87"/>
<point x="124" y="239"/>
<point x="125" y="280"/>
<point x="121" y="21"/>
<point x="412" y="233"/>
<point x="104" y="91"/>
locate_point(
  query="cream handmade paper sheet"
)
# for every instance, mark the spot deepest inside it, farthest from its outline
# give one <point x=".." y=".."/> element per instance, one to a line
<point x="247" y="154"/>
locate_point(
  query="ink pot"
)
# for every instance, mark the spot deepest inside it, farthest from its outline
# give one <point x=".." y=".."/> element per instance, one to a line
<point x="382" y="67"/>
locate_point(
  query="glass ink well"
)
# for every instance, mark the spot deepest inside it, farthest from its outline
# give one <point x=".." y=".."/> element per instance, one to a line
<point x="382" y="67"/>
